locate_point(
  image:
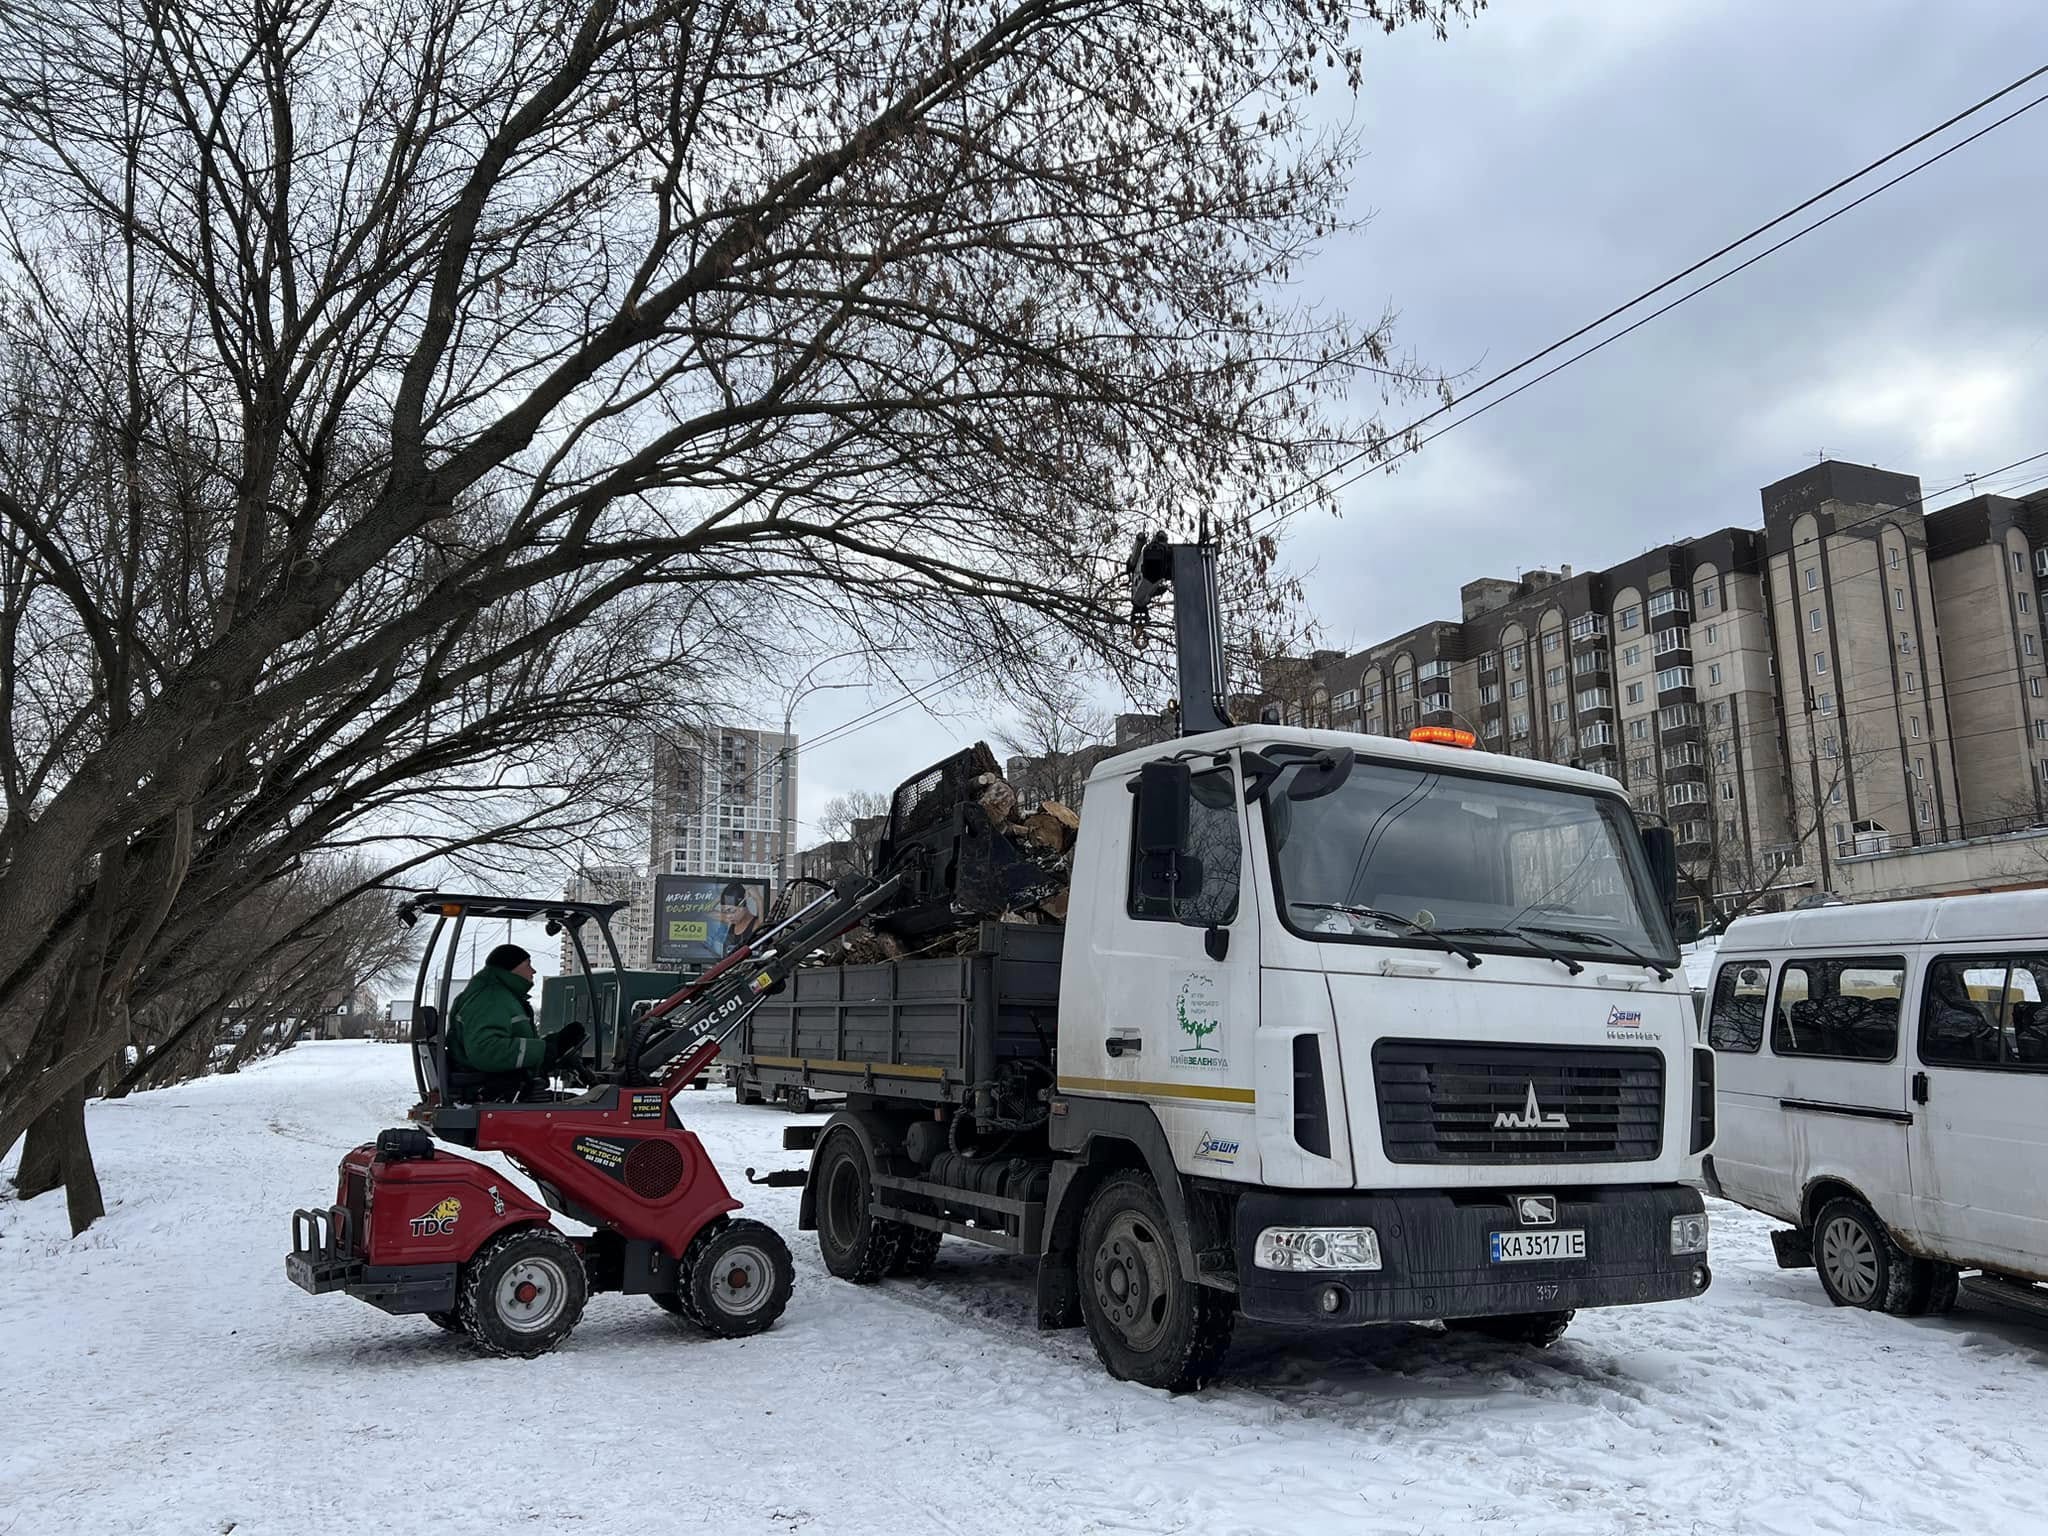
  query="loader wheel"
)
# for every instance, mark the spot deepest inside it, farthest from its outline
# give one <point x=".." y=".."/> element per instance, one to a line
<point x="523" y="1292"/>
<point x="856" y="1244"/>
<point x="917" y="1252"/>
<point x="1149" y="1323"/>
<point x="449" y="1322"/>
<point x="676" y="1304"/>
<point x="740" y="1277"/>
<point x="1538" y="1330"/>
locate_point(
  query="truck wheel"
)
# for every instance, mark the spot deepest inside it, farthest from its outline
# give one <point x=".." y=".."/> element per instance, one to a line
<point x="740" y="1277"/>
<point x="1860" y="1265"/>
<point x="1538" y="1330"/>
<point x="523" y="1292"/>
<point x="917" y="1251"/>
<point x="856" y="1244"/>
<point x="1149" y="1323"/>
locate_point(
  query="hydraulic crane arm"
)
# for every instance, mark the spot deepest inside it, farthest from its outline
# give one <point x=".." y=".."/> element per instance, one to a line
<point x="680" y="1035"/>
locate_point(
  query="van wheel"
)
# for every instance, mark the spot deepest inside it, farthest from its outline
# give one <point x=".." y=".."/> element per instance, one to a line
<point x="855" y="1244"/>
<point x="1935" y="1287"/>
<point x="1538" y="1330"/>
<point x="1859" y="1263"/>
<point x="1149" y="1323"/>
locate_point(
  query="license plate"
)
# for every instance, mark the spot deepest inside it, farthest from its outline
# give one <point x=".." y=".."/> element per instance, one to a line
<point x="1533" y="1247"/>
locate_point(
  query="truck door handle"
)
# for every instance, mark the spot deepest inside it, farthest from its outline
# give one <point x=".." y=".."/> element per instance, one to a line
<point x="1919" y="1087"/>
<point x="1123" y="1045"/>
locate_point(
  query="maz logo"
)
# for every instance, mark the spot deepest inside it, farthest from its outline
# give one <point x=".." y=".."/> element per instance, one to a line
<point x="1532" y="1117"/>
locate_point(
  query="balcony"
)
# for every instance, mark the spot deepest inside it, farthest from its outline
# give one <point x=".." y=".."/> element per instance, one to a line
<point x="1599" y="734"/>
<point x="1671" y="600"/>
<point x="1431" y="671"/>
<point x="1680" y="717"/>
<point x="1689" y="755"/>
<point x="1592" y="700"/>
<point x="1670" y="641"/>
<point x="1606" y="765"/>
<point x="1589" y="627"/>
<point x="1489" y="663"/>
<point x="1590" y="664"/>
<point x="1436" y="703"/>
<point x="1674" y="680"/>
<point x="1694" y="834"/>
<point x="1685" y="792"/>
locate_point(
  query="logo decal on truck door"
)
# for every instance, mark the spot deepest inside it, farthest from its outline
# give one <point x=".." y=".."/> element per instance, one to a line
<point x="1198" y="1009"/>
<point x="1532" y="1117"/>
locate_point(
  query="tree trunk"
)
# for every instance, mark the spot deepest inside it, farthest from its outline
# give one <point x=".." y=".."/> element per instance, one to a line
<point x="56" y="1151"/>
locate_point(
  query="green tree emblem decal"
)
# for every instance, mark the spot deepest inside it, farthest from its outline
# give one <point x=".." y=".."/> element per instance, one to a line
<point x="1196" y="1027"/>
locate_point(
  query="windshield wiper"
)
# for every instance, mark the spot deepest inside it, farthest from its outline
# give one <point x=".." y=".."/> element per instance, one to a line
<point x="1586" y="936"/>
<point x="1393" y="920"/>
<point x="1572" y="966"/>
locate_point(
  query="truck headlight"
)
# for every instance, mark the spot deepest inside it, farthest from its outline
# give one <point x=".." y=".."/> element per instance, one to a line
<point x="1688" y="1234"/>
<point x="1305" y="1248"/>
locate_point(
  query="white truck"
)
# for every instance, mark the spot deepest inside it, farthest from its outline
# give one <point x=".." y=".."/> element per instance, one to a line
<point x="1340" y="1030"/>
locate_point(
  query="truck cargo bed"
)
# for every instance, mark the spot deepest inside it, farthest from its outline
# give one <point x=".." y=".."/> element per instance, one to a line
<point x="923" y="1029"/>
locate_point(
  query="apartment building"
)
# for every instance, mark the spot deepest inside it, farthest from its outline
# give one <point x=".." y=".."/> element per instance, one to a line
<point x="632" y="928"/>
<point x="1783" y="696"/>
<point x="724" y="802"/>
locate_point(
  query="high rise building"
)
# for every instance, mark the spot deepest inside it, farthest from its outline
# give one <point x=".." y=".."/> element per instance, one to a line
<point x="724" y="804"/>
<point x="1854" y="678"/>
<point x="632" y="928"/>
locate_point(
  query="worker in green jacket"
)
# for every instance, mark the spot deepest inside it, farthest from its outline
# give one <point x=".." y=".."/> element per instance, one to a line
<point x="491" y="1029"/>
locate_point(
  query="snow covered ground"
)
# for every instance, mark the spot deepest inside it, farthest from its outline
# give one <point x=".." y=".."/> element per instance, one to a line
<point x="161" y="1375"/>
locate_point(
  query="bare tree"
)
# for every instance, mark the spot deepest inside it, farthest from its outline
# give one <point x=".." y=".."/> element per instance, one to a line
<point x="841" y="818"/>
<point x="1049" y="752"/>
<point x="393" y="397"/>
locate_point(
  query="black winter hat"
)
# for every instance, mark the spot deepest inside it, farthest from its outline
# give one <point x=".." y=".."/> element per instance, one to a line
<point x="508" y="957"/>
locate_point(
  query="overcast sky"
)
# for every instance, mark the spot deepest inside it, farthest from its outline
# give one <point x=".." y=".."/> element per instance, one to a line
<point x="1558" y="157"/>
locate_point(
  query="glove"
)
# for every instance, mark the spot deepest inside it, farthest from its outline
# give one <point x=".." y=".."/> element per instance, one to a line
<point x="564" y="1043"/>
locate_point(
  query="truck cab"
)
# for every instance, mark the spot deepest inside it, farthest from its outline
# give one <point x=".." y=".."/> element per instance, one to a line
<point x="1412" y="1013"/>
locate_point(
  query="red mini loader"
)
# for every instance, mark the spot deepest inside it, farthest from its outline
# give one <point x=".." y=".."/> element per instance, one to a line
<point x="418" y="1228"/>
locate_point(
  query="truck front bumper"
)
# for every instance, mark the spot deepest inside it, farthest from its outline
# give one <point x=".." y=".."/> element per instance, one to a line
<point x="1435" y="1255"/>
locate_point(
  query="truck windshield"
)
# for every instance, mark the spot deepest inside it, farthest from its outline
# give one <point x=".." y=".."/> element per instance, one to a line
<point x="1492" y="863"/>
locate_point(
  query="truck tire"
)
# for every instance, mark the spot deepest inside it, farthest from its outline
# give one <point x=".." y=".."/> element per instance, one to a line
<point x="1538" y="1330"/>
<point x="917" y="1251"/>
<point x="855" y="1244"/>
<point x="1149" y="1323"/>
<point x="1859" y="1263"/>
<point x="523" y="1292"/>
<point x="738" y="1278"/>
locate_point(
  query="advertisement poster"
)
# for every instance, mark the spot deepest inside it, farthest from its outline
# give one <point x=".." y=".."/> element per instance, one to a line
<point x="699" y="919"/>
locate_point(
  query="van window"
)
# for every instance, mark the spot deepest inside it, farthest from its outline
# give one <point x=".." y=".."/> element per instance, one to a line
<point x="1212" y="850"/>
<point x="1841" y="1008"/>
<point x="1736" y="1020"/>
<point x="1985" y="1011"/>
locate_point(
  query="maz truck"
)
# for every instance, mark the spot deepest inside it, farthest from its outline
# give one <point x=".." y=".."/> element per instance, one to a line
<point x="1340" y="1030"/>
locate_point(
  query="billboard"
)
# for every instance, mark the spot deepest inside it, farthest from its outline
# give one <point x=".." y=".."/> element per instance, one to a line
<point x="699" y="919"/>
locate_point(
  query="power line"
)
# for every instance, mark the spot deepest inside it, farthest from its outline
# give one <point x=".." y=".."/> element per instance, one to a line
<point x="1649" y="293"/>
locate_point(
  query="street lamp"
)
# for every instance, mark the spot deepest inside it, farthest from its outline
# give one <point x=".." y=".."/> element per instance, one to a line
<point x="786" y="817"/>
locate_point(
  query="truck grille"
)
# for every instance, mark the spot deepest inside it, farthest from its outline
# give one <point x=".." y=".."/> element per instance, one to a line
<point x="1455" y="1102"/>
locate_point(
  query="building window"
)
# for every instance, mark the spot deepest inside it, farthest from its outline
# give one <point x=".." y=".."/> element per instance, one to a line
<point x="1820" y="663"/>
<point x="1713" y="634"/>
<point x="1670" y="600"/>
<point x="1518" y="688"/>
<point x="2019" y="563"/>
<point x="1558" y="711"/>
<point x="1813" y="620"/>
<point x="1829" y="746"/>
<point x="1894" y="553"/>
<point x="1514" y="658"/>
<point x="1639" y="728"/>
<point x="1721" y="754"/>
<point x="1708" y="596"/>
<point x="1631" y="617"/>
<point x="1634" y="693"/>
<point x="1825" y="703"/>
<point x="1631" y="655"/>
<point x="1404" y="683"/>
<point x="1551" y="641"/>
<point x="1912" y="682"/>
<point x="1720" y="712"/>
<point x="1639" y="767"/>
<point x="2041" y="730"/>
<point x="1521" y="725"/>
<point x="2027" y="643"/>
<point x="1898" y="599"/>
<point x="1554" y="677"/>
<point x="1913" y="724"/>
<point x="2034" y="686"/>
<point x="1407" y="714"/>
<point x="1919" y="767"/>
<point x="1812" y="579"/>
<point x="1728" y="790"/>
<point x="1905" y="643"/>
<point x="2041" y="562"/>
<point x="2026" y="603"/>
<point x="1674" y="677"/>
<point x="1489" y="693"/>
<point x="1714" y="672"/>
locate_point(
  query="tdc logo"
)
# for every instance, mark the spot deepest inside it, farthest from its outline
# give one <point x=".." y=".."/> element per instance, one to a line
<point x="439" y="1221"/>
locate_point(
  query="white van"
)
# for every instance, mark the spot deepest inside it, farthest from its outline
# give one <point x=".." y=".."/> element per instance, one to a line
<point x="1883" y="1086"/>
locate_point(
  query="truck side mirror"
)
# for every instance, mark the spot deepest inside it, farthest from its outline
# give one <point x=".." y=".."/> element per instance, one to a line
<point x="1660" y="847"/>
<point x="1164" y="796"/>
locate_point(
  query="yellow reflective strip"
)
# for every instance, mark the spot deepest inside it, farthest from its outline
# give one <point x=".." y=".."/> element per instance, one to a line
<point x="1158" y="1090"/>
<point x="880" y="1069"/>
